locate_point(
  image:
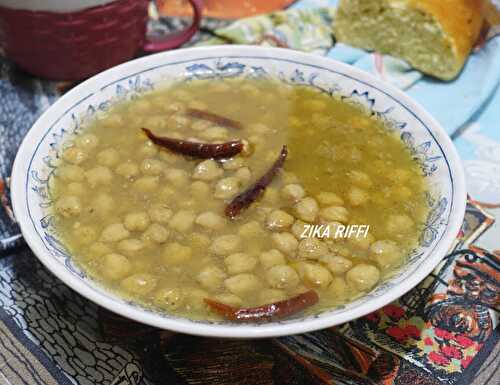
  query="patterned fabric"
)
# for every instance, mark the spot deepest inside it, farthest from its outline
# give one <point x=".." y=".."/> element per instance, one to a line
<point x="308" y="30"/>
<point x="442" y="332"/>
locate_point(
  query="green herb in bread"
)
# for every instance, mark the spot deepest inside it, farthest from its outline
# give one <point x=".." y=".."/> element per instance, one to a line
<point x="434" y="36"/>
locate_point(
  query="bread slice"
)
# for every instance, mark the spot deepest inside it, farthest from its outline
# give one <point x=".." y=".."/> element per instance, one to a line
<point x="434" y="36"/>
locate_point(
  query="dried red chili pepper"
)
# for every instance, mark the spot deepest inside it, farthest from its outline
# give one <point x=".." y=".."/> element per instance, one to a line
<point x="269" y="312"/>
<point x="250" y="195"/>
<point x="214" y="118"/>
<point x="196" y="149"/>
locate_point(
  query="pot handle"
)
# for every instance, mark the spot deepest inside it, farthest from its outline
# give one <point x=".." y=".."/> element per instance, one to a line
<point x="177" y="39"/>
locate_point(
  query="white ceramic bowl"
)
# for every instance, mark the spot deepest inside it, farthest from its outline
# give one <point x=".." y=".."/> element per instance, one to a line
<point x="423" y="135"/>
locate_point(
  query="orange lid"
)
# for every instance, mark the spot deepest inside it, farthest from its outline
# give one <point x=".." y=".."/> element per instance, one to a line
<point x="224" y="9"/>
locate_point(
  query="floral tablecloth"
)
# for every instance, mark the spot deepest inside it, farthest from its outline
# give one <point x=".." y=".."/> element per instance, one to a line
<point x="442" y="332"/>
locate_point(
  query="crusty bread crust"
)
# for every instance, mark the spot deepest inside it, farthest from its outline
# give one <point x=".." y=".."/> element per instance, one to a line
<point x="460" y="23"/>
<point x="460" y="19"/>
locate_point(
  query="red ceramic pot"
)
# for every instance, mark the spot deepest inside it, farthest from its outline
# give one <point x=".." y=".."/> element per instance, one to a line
<point x="75" y="39"/>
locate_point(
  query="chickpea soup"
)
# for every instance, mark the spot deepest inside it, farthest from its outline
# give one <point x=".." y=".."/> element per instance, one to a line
<point x="233" y="199"/>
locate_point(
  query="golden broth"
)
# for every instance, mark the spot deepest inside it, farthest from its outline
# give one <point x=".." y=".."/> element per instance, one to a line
<point x="150" y="224"/>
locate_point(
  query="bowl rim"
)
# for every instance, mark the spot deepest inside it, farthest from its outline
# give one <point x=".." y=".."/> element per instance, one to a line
<point x="184" y="325"/>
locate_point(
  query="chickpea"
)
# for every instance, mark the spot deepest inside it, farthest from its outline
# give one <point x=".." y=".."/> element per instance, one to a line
<point x="127" y="170"/>
<point x="210" y="220"/>
<point x="233" y="164"/>
<point x="178" y="121"/>
<point x="229" y="299"/>
<point x="225" y="245"/>
<point x="156" y="233"/>
<point x="333" y="226"/>
<point x="137" y="221"/>
<point x="339" y="288"/>
<point x="289" y="177"/>
<point x="75" y="188"/>
<point x="146" y="184"/>
<point x="282" y="277"/>
<point x="357" y="197"/>
<point x="188" y="204"/>
<point x="340" y="249"/>
<point x="176" y="254"/>
<point x="242" y="284"/>
<point x="363" y="277"/>
<point x="99" y="175"/>
<point x="227" y="188"/>
<point x="215" y="133"/>
<point x="200" y="190"/>
<point x="269" y="296"/>
<point x="87" y="141"/>
<point x="74" y="155"/>
<point x="315" y="275"/>
<point x="399" y="224"/>
<point x="68" y="206"/>
<point x="298" y="228"/>
<point x="155" y="122"/>
<point x="336" y="263"/>
<point x="109" y="157"/>
<point x="312" y="248"/>
<point x="160" y="213"/>
<point x="250" y="229"/>
<point x="334" y="213"/>
<point x="152" y="167"/>
<point x="279" y="219"/>
<point x="360" y="179"/>
<point x="139" y="284"/>
<point x="169" y="298"/>
<point x="70" y="173"/>
<point x="307" y="209"/>
<point x="99" y="249"/>
<point x="115" y="266"/>
<point x="361" y="243"/>
<point x="195" y="299"/>
<point x="103" y="204"/>
<point x="114" y="233"/>
<point x="84" y="234"/>
<point x="168" y="157"/>
<point x="148" y="149"/>
<point x="200" y="125"/>
<point x="385" y="253"/>
<point x="271" y="195"/>
<point x="244" y="175"/>
<point x="182" y="221"/>
<point x="240" y="263"/>
<point x="211" y="277"/>
<point x="293" y="192"/>
<point x="199" y="241"/>
<point x="207" y="170"/>
<point x="166" y="193"/>
<point x="329" y="199"/>
<point x="130" y="246"/>
<point x="177" y="177"/>
<point x="271" y="258"/>
<point x="285" y="242"/>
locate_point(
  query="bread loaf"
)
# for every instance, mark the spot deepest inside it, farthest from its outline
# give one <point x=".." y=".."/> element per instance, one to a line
<point x="434" y="36"/>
